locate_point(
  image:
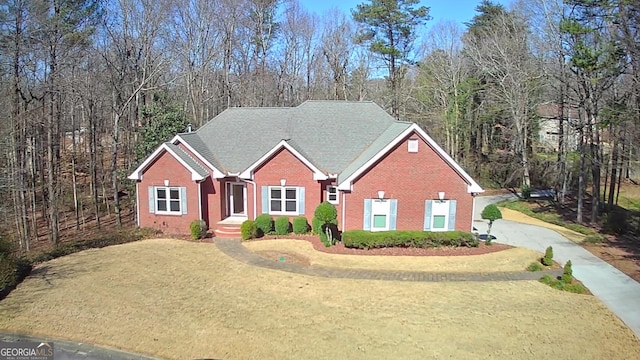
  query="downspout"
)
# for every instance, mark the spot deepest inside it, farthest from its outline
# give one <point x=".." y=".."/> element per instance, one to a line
<point x="200" y="200"/>
<point x="473" y="211"/>
<point x="138" y="203"/>
<point x="255" y="201"/>
<point x="344" y="212"/>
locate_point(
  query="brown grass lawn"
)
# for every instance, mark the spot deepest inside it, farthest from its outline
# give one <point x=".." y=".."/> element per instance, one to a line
<point x="516" y="259"/>
<point x="184" y="300"/>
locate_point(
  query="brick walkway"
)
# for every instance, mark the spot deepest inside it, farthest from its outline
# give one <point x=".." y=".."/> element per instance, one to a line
<point x="234" y="249"/>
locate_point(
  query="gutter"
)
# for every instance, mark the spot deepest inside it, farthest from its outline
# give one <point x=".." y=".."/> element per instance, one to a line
<point x="344" y="211"/>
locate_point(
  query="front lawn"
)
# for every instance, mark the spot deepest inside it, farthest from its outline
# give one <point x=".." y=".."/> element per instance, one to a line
<point x="185" y="300"/>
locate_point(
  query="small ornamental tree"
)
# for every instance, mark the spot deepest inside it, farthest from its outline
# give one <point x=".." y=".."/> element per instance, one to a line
<point x="567" y="275"/>
<point x="491" y="213"/>
<point x="547" y="260"/>
<point x="326" y="215"/>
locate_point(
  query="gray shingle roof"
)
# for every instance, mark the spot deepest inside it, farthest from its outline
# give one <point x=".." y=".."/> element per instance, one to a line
<point x="336" y="136"/>
<point x="191" y="162"/>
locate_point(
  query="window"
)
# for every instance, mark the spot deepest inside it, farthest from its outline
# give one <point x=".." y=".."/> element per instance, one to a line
<point x="412" y="145"/>
<point x="283" y="200"/>
<point x="379" y="221"/>
<point x="380" y="211"/>
<point x="168" y="200"/>
<point x="439" y="221"/>
<point x="332" y="194"/>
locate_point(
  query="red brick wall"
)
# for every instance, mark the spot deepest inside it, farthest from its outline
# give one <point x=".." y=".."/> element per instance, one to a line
<point x="411" y="178"/>
<point x="284" y="165"/>
<point x="166" y="167"/>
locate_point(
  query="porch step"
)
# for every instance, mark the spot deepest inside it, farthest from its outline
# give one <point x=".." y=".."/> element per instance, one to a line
<point x="228" y="230"/>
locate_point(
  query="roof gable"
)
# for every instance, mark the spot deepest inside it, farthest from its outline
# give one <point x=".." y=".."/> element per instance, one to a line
<point x="369" y="159"/>
<point x="198" y="173"/>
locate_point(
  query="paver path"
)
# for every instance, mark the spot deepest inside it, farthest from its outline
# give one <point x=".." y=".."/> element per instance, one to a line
<point x="619" y="292"/>
<point x="234" y="249"/>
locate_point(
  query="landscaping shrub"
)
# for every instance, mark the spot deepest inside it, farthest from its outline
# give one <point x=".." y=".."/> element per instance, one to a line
<point x="324" y="215"/>
<point x="282" y="225"/>
<point x="248" y="230"/>
<point x="491" y="213"/>
<point x="316" y="226"/>
<point x="300" y="225"/>
<point x="361" y="239"/>
<point x="526" y="192"/>
<point x="12" y="269"/>
<point x="567" y="275"/>
<point x="264" y="223"/>
<point x="198" y="229"/>
<point x="534" y="266"/>
<point x="595" y="239"/>
<point x="564" y="286"/>
<point x="547" y="260"/>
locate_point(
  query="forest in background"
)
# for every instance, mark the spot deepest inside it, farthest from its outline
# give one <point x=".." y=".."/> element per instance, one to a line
<point x="90" y="87"/>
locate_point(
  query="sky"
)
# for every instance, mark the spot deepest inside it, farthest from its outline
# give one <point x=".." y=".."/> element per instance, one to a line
<point x="459" y="11"/>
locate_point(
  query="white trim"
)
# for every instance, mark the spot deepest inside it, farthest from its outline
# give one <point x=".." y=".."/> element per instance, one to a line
<point x="229" y="195"/>
<point x="137" y="173"/>
<point x="167" y="200"/>
<point x="317" y="173"/>
<point x="283" y="200"/>
<point x="472" y="187"/>
<point x="216" y="172"/>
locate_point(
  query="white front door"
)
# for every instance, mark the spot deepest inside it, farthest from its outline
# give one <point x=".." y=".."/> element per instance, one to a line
<point x="237" y="199"/>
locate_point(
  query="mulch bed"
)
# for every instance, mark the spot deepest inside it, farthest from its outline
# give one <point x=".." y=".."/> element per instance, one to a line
<point x="339" y="248"/>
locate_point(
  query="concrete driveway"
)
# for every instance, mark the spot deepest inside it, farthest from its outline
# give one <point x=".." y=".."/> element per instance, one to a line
<point x="617" y="291"/>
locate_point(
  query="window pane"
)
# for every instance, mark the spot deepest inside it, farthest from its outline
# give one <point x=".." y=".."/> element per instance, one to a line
<point x="276" y="193"/>
<point x="162" y="205"/>
<point x="332" y="197"/>
<point x="290" y="206"/>
<point x="379" y="221"/>
<point x="175" y="205"/>
<point x="175" y="194"/>
<point x="438" y="221"/>
<point x="276" y="205"/>
<point x="291" y="194"/>
<point x="161" y="193"/>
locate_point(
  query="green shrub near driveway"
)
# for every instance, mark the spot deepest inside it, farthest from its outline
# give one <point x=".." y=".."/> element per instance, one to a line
<point x="535" y="266"/>
<point x="198" y="229"/>
<point x="300" y="225"/>
<point x="547" y="260"/>
<point x="264" y="223"/>
<point x="361" y="239"/>
<point x="248" y="230"/>
<point x="282" y="225"/>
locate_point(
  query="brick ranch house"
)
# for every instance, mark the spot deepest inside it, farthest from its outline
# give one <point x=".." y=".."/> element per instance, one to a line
<point x="380" y="173"/>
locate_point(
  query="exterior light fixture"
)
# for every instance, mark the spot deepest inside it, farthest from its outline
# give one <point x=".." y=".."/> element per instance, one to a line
<point x="380" y="194"/>
<point x="166" y="183"/>
<point x="441" y="195"/>
<point x="283" y="182"/>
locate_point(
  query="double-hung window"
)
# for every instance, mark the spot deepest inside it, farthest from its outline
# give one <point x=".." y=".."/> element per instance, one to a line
<point x="332" y="194"/>
<point x="168" y="200"/>
<point x="283" y="200"/>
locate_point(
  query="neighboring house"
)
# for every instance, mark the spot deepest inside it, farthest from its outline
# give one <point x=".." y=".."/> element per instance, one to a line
<point x="549" y="126"/>
<point x="381" y="174"/>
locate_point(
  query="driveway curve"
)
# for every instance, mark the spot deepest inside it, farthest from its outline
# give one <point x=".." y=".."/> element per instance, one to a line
<point x="619" y="292"/>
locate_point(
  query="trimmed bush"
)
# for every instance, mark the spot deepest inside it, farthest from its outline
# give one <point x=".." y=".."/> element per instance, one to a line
<point x="547" y="260"/>
<point x="324" y="215"/>
<point x="264" y="223"/>
<point x="282" y="225"/>
<point x="198" y="229"/>
<point x="567" y="275"/>
<point x="534" y="266"/>
<point x="248" y="230"/>
<point x="316" y="226"/>
<point x="300" y="225"/>
<point x="361" y="239"/>
<point x="561" y="285"/>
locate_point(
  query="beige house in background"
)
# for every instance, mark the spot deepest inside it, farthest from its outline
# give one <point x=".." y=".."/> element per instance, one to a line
<point x="549" y="126"/>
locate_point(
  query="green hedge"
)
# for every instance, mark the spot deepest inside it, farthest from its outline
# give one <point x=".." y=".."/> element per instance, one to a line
<point x="264" y="223"/>
<point x="300" y="225"/>
<point x="361" y="239"/>
<point x="282" y="225"/>
<point x="248" y="230"/>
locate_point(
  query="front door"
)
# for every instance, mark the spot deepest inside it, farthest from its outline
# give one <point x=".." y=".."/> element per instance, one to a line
<point x="236" y="199"/>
